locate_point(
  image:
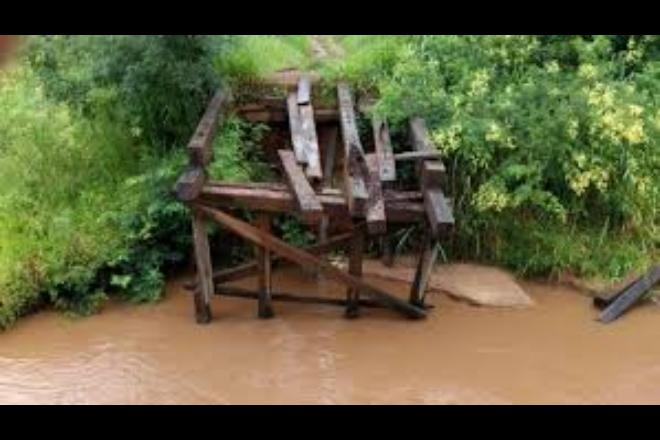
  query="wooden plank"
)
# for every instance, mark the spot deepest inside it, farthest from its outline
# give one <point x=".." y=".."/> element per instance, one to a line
<point x="425" y="264"/>
<point x="376" y="220"/>
<point x="189" y="185"/>
<point x="265" y="281"/>
<point x="630" y="295"/>
<point x="199" y="148"/>
<point x="239" y="292"/>
<point x="309" y="261"/>
<point x="295" y="126"/>
<point x="264" y="114"/>
<point x="354" y="268"/>
<point x="251" y="268"/>
<point x="304" y="90"/>
<point x="418" y="155"/>
<point x="329" y="148"/>
<point x="383" y="148"/>
<point x="308" y="203"/>
<point x="438" y="211"/>
<point x="354" y="161"/>
<point x="400" y="207"/>
<point x="204" y="269"/>
<point x="311" y="143"/>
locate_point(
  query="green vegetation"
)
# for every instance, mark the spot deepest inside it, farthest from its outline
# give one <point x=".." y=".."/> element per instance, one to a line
<point x="551" y="144"/>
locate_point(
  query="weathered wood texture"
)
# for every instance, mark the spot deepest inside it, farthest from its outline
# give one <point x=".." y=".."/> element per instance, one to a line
<point x="383" y="148"/>
<point x="265" y="281"/>
<point x="425" y="264"/>
<point x="304" y="90"/>
<point x="630" y="295"/>
<point x="309" y="261"/>
<point x="295" y="126"/>
<point x="267" y="114"/>
<point x="376" y="219"/>
<point x="190" y="184"/>
<point x="238" y="292"/>
<point x="356" y="251"/>
<point x="354" y="162"/>
<point x="199" y="147"/>
<point x="400" y="207"/>
<point x="433" y="176"/>
<point x="251" y="268"/>
<point x="311" y="143"/>
<point x="204" y="269"/>
<point x="308" y="203"/>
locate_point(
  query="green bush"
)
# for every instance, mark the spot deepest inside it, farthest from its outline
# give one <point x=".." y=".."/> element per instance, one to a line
<point x="551" y="142"/>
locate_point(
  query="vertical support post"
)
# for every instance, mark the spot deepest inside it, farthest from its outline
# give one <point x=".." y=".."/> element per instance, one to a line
<point x="264" y="259"/>
<point x="204" y="292"/>
<point x="356" y="249"/>
<point x="427" y="257"/>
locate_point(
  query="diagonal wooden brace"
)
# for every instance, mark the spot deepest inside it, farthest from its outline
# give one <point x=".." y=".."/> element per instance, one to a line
<point x="307" y="260"/>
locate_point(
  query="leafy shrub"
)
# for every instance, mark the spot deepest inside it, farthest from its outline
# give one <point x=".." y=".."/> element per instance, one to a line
<point x="551" y="143"/>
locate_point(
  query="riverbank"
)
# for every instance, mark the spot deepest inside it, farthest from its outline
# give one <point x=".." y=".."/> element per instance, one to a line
<point x="551" y="353"/>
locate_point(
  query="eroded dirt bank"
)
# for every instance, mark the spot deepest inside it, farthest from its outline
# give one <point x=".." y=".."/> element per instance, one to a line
<point x="552" y="353"/>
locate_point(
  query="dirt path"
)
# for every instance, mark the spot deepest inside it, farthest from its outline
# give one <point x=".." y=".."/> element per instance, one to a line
<point x="324" y="48"/>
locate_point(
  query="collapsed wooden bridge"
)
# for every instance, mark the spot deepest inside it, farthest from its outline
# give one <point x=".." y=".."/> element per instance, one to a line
<point x="364" y="200"/>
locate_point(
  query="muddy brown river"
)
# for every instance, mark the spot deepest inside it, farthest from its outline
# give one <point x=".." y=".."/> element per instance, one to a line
<point x="308" y="354"/>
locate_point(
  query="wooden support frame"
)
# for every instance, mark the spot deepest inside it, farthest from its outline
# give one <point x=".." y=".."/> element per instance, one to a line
<point x="425" y="264"/>
<point x="239" y="292"/>
<point x="307" y="260"/>
<point x="204" y="269"/>
<point x="265" y="280"/>
<point x="356" y="251"/>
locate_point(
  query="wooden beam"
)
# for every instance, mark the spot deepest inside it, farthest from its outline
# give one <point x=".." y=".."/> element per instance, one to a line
<point x="199" y="148"/>
<point x="238" y="292"/>
<point x="383" y="147"/>
<point x="304" y="90"/>
<point x="295" y="126"/>
<point x="425" y="264"/>
<point x="251" y="268"/>
<point x="308" y="203"/>
<point x="309" y="261"/>
<point x="354" y="161"/>
<point x="376" y="220"/>
<point x="354" y="268"/>
<point x="329" y="136"/>
<point x="630" y="295"/>
<point x="400" y="207"/>
<point x="432" y="178"/>
<point x="265" y="281"/>
<point x="204" y="269"/>
<point x="311" y="143"/>
<point x="189" y="185"/>
<point x="418" y="155"/>
<point x="271" y="115"/>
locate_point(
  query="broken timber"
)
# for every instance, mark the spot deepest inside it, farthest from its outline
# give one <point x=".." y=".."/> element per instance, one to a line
<point x="622" y="301"/>
<point x="363" y="204"/>
<point x="307" y="260"/>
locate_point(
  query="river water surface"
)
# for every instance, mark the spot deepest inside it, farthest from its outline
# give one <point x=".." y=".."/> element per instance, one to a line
<point x="552" y="353"/>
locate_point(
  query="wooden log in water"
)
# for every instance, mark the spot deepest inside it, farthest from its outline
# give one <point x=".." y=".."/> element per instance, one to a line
<point x="238" y="292"/>
<point x="308" y="261"/>
<point x="630" y="295"/>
